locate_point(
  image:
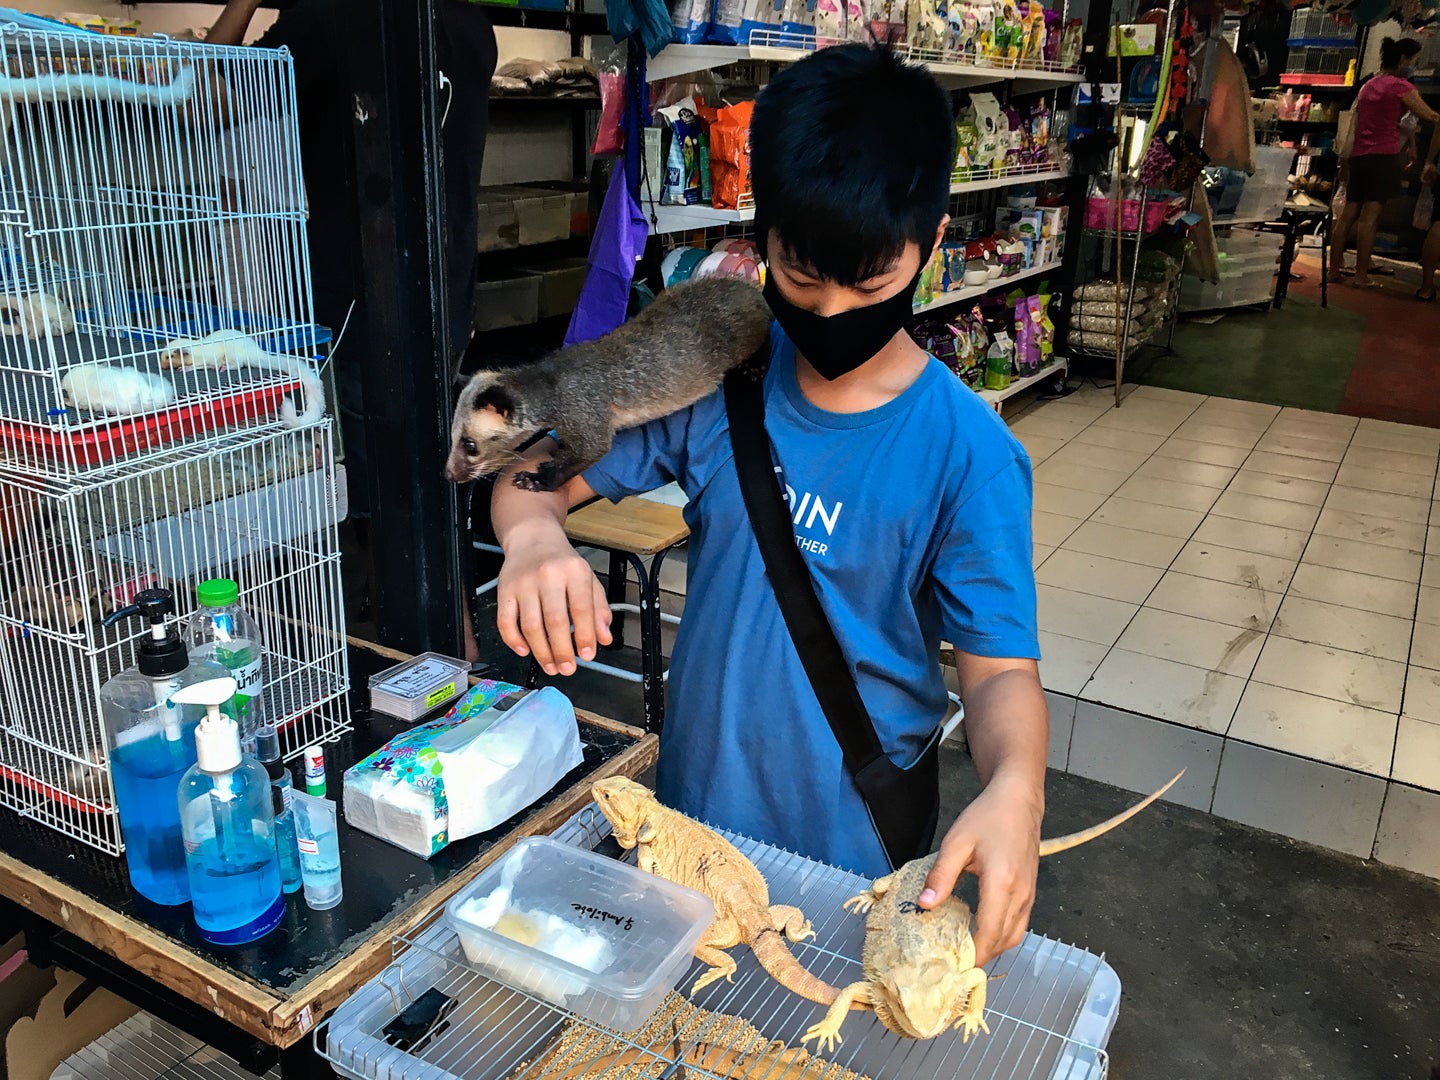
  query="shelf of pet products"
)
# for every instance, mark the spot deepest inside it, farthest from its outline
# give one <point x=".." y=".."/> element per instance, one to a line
<point x="667" y="219"/>
<point x="971" y="292"/>
<point x="954" y="67"/>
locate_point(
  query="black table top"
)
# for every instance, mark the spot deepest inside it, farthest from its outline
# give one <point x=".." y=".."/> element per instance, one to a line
<point x="381" y="881"/>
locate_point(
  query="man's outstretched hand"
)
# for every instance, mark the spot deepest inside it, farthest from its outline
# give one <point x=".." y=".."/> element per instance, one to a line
<point x="997" y="839"/>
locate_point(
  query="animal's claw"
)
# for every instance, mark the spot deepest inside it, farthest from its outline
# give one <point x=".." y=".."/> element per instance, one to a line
<point x="827" y="1038"/>
<point x="529" y="481"/>
<point x="968" y="1025"/>
<point x="863" y="903"/>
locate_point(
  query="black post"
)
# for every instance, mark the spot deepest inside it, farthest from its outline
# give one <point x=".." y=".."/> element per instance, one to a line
<point x="390" y="46"/>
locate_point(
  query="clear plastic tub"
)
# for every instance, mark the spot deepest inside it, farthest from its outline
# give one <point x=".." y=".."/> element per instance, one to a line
<point x="597" y="937"/>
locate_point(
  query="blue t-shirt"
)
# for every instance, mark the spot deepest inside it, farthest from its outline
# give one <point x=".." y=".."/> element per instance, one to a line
<point x="914" y="519"/>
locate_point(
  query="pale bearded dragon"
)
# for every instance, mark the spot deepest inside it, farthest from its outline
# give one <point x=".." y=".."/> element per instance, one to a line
<point x="919" y="965"/>
<point x="676" y="848"/>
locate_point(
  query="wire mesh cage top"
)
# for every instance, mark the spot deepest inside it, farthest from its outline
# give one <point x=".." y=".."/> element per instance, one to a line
<point x="154" y="278"/>
<point x="1049" y="1017"/>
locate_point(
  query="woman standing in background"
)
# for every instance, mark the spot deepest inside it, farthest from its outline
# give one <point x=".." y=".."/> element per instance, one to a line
<point x="1375" y="166"/>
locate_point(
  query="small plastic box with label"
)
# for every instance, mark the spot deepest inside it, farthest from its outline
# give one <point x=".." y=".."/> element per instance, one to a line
<point x="420" y="685"/>
<point x="597" y="937"/>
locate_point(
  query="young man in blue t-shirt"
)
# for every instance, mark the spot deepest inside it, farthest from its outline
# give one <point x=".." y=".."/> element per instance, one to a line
<point x="910" y="501"/>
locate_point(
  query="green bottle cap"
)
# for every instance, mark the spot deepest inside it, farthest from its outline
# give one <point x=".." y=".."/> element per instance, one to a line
<point x="217" y="592"/>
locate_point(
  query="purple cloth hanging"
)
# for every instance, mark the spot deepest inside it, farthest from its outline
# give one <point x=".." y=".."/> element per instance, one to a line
<point x="618" y="242"/>
<point x="620" y="234"/>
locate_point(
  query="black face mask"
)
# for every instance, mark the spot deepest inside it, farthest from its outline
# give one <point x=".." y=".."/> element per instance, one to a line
<point x="836" y="345"/>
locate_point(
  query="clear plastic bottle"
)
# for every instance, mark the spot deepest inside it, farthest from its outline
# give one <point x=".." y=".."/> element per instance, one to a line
<point x="222" y="631"/>
<point x="285" y="846"/>
<point x="228" y="821"/>
<point x="152" y="742"/>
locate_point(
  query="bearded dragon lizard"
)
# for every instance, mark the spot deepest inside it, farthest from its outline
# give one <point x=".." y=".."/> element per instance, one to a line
<point x="672" y="846"/>
<point x="919" y="966"/>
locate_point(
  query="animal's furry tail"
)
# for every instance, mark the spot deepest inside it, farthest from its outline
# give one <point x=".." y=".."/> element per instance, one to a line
<point x="314" y="392"/>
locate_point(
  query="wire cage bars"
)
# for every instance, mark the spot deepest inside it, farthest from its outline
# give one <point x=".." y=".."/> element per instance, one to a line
<point x="150" y="197"/>
<point x="261" y="508"/>
<point x="1048" y="1017"/>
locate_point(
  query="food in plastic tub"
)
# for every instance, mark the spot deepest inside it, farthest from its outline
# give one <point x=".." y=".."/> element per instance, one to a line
<point x="584" y="932"/>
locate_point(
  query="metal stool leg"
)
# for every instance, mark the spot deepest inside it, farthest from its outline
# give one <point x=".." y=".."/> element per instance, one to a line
<point x="615" y="594"/>
<point x="652" y="661"/>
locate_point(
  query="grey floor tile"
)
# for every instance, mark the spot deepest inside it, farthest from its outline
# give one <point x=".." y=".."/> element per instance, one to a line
<point x="1062" y="723"/>
<point x="1140" y="753"/>
<point x="1408" y="836"/>
<point x="1305" y="800"/>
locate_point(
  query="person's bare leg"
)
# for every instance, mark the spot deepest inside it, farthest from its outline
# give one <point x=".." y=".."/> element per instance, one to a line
<point x="1339" y="236"/>
<point x="1429" y="260"/>
<point x="1365" y="241"/>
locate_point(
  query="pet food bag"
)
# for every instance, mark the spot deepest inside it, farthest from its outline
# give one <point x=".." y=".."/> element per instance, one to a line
<point x="730" y="155"/>
<point x="690" y="20"/>
<point x="682" y="164"/>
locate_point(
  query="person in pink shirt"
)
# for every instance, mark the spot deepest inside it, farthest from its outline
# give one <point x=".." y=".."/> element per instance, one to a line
<point x="1375" y="165"/>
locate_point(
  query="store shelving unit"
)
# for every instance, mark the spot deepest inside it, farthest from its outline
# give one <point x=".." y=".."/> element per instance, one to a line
<point x="996" y="398"/>
<point x="665" y="220"/>
<point x="957" y="296"/>
<point x="768" y="47"/>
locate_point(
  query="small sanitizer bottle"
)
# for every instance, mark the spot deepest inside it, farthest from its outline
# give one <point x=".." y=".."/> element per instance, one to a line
<point x="228" y="824"/>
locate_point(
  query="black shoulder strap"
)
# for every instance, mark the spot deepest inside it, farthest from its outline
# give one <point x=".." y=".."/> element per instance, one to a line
<point x="820" y="653"/>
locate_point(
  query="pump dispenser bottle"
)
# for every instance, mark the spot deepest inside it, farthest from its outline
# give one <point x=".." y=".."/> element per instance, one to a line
<point x="152" y="742"/>
<point x="228" y="822"/>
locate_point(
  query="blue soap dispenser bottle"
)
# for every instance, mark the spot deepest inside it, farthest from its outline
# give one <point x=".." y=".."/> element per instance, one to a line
<point x="228" y="823"/>
<point x="151" y="741"/>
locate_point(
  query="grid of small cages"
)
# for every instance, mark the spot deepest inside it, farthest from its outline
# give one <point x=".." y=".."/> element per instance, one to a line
<point x="261" y="509"/>
<point x="1045" y="1017"/>
<point x="154" y="279"/>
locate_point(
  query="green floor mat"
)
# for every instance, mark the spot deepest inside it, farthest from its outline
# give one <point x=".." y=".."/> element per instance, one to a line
<point x="1300" y="355"/>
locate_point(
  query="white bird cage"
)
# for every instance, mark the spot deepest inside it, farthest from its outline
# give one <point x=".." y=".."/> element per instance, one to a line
<point x="151" y="191"/>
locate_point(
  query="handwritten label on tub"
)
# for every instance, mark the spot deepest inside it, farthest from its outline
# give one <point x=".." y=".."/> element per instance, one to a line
<point x="624" y="922"/>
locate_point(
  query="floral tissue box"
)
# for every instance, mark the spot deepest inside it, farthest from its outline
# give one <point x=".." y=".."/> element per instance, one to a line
<point x="499" y="749"/>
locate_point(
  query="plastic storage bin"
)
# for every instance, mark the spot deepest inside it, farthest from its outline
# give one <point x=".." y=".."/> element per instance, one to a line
<point x="639" y="931"/>
<point x="1264" y="194"/>
<point x="506" y="300"/>
<point x="513" y="216"/>
<point x="1050" y="1017"/>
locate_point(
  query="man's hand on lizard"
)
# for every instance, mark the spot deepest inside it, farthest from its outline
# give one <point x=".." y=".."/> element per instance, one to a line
<point x="997" y="839"/>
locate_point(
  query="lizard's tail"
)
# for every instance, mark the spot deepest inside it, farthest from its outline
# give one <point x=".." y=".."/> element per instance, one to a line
<point x="780" y="964"/>
<point x="1075" y="839"/>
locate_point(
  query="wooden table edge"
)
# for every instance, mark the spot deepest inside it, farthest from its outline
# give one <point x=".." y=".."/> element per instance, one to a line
<point x="233" y="998"/>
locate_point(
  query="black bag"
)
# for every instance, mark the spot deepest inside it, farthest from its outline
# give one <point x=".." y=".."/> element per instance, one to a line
<point x="903" y="804"/>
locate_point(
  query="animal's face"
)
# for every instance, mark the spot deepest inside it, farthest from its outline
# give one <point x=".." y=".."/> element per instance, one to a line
<point x="923" y="999"/>
<point x="624" y="803"/>
<point x="485" y="431"/>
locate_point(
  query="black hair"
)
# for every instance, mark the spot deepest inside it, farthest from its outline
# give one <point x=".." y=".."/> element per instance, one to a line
<point x="851" y="154"/>
<point x="1393" y="53"/>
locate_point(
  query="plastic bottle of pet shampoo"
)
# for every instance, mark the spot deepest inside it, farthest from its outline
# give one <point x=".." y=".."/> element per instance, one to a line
<point x="152" y="742"/>
<point x="228" y="822"/>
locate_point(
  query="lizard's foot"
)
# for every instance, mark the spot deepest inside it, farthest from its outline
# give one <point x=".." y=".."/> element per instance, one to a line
<point x="722" y="966"/>
<point x="968" y="1024"/>
<point x="972" y="1016"/>
<point x="791" y="922"/>
<point x="826" y="1035"/>
<point x="862" y="903"/>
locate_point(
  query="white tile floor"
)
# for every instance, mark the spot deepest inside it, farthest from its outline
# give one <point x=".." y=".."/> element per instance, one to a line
<point x="1267" y="576"/>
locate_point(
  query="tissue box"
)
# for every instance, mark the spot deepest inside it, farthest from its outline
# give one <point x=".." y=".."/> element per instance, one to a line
<point x="495" y="753"/>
